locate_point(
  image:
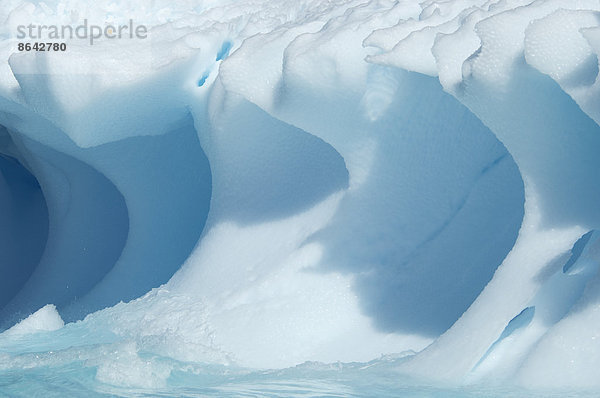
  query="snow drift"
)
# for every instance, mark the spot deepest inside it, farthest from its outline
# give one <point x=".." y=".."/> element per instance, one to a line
<point x="268" y="183"/>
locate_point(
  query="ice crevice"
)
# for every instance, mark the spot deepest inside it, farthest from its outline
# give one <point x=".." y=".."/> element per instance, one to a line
<point x="310" y="176"/>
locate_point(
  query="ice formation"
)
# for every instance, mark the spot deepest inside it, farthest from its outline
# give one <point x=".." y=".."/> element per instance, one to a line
<point x="44" y="319"/>
<point x="264" y="183"/>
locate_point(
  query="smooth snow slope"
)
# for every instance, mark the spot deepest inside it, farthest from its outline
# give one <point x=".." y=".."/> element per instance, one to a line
<point x="307" y="180"/>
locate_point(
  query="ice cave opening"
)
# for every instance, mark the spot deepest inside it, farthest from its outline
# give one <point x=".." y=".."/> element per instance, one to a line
<point x="111" y="222"/>
<point x="23" y="220"/>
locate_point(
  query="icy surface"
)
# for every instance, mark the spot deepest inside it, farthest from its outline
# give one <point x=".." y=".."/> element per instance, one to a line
<point x="44" y="319"/>
<point x="262" y="184"/>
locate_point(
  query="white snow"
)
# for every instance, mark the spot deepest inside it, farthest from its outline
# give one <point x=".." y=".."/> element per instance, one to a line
<point x="45" y="319"/>
<point x="311" y="180"/>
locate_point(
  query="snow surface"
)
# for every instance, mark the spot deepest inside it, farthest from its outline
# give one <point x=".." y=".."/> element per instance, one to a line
<point x="264" y="183"/>
<point x="44" y="319"/>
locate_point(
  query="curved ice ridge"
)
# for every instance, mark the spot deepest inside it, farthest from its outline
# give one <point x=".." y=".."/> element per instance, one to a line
<point x="381" y="174"/>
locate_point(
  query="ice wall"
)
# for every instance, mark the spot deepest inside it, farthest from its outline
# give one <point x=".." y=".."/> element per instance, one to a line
<point x="122" y="217"/>
<point x="24" y="222"/>
<point x="381" y="175"/>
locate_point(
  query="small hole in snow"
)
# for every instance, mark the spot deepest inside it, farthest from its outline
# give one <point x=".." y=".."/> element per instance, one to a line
<point x="520" y="321"/>
<point x="577" y="250"/>
<point x="224" y="51"/>
<point x="202" y="80"/>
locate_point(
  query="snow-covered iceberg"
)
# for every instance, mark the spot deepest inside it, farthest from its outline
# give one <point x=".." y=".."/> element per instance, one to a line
<point x="265" y="183"/>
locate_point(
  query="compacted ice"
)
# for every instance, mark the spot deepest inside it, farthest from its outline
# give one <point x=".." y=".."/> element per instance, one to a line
<point x="258" y="184"/>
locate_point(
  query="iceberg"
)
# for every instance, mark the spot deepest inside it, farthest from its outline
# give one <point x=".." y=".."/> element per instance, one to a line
<point x="351" y="197"/>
